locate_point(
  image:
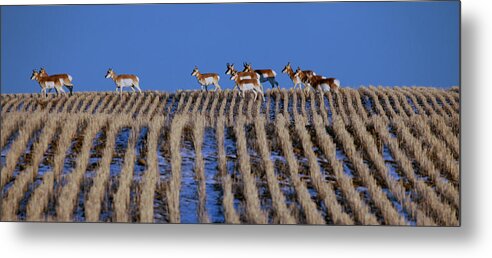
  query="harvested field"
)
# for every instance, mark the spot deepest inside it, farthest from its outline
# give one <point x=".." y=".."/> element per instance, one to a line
<point x="367" y="156"/>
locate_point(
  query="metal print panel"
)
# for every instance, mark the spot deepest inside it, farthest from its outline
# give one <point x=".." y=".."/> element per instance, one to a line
<point x="328" y="113"/>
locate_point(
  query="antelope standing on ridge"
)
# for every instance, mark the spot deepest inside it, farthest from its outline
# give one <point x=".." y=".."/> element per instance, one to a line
<point x="64" y="78"/>
<point x="247" y="85"/>
<point x="206" y="79"/>
<point x="47" y="83"/>
<point x="304" y="76"/>
<point x="124" y="80"/>
<point x="320" y="83"/>
<point x="295" y="79"/>
<point x="242" y="75"/>
<point x="265" y="74"/>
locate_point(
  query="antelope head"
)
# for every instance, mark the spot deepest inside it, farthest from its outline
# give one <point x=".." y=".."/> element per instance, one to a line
<point x="233" y="75"/>
<point x="34" y="75"/>
<point x="247" y="67"/>
<point x="230" y="69"/>
<point x="42" y="72"/>
<point x="110" y="73"/>
<point x="287" y="68"/>
<point x="195" y="72"/>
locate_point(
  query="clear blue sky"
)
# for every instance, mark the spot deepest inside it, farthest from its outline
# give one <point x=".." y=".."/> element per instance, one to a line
<point x="415" y="43"/>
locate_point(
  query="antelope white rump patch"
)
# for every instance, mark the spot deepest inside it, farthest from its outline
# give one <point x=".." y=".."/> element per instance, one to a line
<point x="325" y="87"/>
<point x="209" y="80"/>
<point x="125" y="82"/>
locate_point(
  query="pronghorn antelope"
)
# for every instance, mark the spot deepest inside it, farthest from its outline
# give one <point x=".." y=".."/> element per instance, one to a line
<point x="206" y="79"/>
<point x="47" y="83"/>
<point x="242" y="75"/>
<point x="247" y="84"/>
<point x="65" y="79"/>
<point x="265" y="74"/>
<point x="295" y="79"/>
<point x="305" y="76"/>
<point x="319" y="82"/>
<point x="124" y="80"/>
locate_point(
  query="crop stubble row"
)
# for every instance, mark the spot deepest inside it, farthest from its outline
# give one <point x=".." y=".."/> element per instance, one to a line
<point x="417" y="125"/>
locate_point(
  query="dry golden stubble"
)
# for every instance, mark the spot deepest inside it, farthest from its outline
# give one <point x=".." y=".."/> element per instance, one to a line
<point x="391" y="111"/>
<point x="285" y="98"/>
<point x="158" y="109"/>
<point x="240" y="106"/>
<point x="197" y="103"/>
<point x="432" y="99"/>
<point x="74" y="103"/>
<point x="410" y="97"/>
<point x="10" y="124"/>
<point x="268" y="98"/>
<point x="199" y="169"/>
<point x="404" y="102"/>
<point x="181" y="96"/>
<point x="445" y="133"/>
<point x="331" y="104"/>
<point x="174" y="188"/>
<point x="230" y="214"/>
<point x="404" y="109"/>
<point x="313" y="215"/>
<point x="231" y="108"/>
<point x="254" y="213"/>
<point x="204" y="107"/>
<point x="109" y="105"/>
<point x="325" y="190"/>
<point x="440" y="96"/>
<point x="189" y="101"/>
<point x="277" y="103"/>
<point x="249" y="109"/>
<point x="223" y="103"/>
<point x="389" y="213"/>
<point x="151" y="175"/>
<point x="145" y="104"/>
<point x="360" y="210"/>
<point x="440" y="154"/>
<point x="278" y="198"/>
<point x="369" y="92"/>
<point x="150" y="110"/>
<point x="422" y="100"/>
<point x="322" y="108"/>
<point x="68" y="196"/>
<point x="40" y="198"/>
<point x="427" y="168"/>
<point x="45" y="192"/>
<point x="213" y="109"/>
<point x="95" y="102"/>
<point x="100" y="182"/>
<point x="429" y="200"/>
<point x="122" y="101"/>
<point x="122" y="195"/>
<point x="10" y="203"/>
<point x="454" y="101"/>
<point x="396" y="188"/>
<point x="18" y="147"/>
